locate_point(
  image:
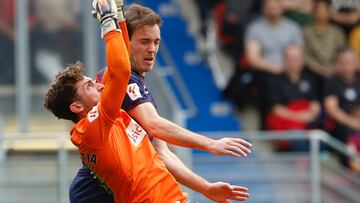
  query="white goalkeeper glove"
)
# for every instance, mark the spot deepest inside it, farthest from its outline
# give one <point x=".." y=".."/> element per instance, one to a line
<point x="120" y="8"/>
<point x="106" y="12"/>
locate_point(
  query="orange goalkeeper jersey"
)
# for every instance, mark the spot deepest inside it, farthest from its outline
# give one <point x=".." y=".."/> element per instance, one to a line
<point x="116" y="148"/>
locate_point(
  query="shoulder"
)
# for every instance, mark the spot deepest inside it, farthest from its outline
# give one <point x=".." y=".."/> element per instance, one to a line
<point x="257" y="23"/>
<point x="336" y="29"/>
<point x="308" y="29"/>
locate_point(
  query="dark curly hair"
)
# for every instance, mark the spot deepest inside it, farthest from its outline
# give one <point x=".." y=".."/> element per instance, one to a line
<point x="62" y="92"/>
<point x="138" y="16"/>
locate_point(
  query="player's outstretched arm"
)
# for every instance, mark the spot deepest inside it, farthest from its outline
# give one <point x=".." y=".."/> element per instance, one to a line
<point x="219" y="191"/>
<point x="163" y="129"/>
<point x="117" y="57"/>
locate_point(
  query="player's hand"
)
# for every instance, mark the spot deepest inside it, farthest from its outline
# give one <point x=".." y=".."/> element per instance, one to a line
<point x="224" y="192"/>
<point x="104" y="9"/>
<point x="106" y="12"/>
<point x="230" y="146"/>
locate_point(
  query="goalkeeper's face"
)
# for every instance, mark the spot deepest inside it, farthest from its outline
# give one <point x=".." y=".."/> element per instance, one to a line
<point x="144" y="45"/>
<point x="89" y="92"/>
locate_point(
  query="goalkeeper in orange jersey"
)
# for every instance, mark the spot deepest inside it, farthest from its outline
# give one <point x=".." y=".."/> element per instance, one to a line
<point x="112" y="144"/>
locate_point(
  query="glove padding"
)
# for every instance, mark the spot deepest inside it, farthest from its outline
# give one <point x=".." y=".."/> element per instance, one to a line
<point x="106" y="12"/>
<point x="120" y="6"/>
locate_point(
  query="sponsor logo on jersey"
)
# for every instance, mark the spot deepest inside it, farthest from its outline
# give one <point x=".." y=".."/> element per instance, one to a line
<point x="133" y="91"/>
<point x="135" y="132"/>
<point x="350" y="94"/>
<point x="93" y="114"/>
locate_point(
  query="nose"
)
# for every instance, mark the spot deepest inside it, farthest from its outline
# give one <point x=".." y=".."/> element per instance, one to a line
<point x="152" y="47"/>
<point x="100" y="87"/>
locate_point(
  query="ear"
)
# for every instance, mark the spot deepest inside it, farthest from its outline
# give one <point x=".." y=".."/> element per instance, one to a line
<point x="76" y="107"/>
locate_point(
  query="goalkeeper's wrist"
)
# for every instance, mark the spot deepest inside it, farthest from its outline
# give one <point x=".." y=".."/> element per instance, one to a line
<point x="109" y="24"/>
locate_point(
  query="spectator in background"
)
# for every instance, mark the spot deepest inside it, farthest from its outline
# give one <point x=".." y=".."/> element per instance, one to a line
<point x="232" y="19"/>
<point x="57" y="39"/>
<point x="265" y="40"/>
<point x="342" y="96"/>
<point x="204" y="8"/>
<point x="322" y="42"/>
<point x="299" y="10"/>
<point x="294" y="104"/>
<point x="345" y="13"/>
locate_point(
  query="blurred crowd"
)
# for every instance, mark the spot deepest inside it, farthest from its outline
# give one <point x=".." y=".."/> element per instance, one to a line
<point x="297" y="61"/>
<point x="54" y="34"/>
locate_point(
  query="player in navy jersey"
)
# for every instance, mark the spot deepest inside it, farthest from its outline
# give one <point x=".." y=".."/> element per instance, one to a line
<point x="144" y="31"/>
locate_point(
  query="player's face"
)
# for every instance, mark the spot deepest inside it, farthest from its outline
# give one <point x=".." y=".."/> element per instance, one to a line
<point x="322" y="12"/>
<point x="144" y="46"/>
<point x="272" y="9"/>
<point x="89" y="92"/>
<point x="293" y="59"/>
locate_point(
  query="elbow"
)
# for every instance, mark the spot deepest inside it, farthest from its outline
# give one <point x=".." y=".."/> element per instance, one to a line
<point x="153" y="128"/>
<point x="152" y="131"/>
<point x="253" y="60"/>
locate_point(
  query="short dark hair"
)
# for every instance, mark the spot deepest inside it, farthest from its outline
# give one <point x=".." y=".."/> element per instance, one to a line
<point x="62" y="92"/>
<point x="138" y="16"/>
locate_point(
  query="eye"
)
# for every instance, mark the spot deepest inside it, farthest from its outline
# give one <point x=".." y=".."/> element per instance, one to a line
<point x="144" y="41"/>
<point x="91" y="83"/>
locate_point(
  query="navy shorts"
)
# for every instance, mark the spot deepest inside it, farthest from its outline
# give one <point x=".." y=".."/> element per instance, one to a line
<point x="87" y="189"/>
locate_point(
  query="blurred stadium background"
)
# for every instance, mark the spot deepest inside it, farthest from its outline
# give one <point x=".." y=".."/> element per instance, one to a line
<point x="37" y="161"/>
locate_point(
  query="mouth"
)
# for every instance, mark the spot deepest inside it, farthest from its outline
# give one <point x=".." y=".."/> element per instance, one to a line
<point x="149" y="59"/>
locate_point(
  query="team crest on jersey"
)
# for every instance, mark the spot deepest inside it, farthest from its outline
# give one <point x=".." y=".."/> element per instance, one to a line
<point x="135" y="132"/>
<point x="133" y="91"/>
<point x="93" y="114"/>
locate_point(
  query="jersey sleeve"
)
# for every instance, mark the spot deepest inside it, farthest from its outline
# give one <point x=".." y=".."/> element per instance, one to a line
<point x="118" y="71"/>
<point x="125" y="35"/>
<point x="330" y="87"/>
<point x="103" y="75"/>
<point x="136" y="94"/>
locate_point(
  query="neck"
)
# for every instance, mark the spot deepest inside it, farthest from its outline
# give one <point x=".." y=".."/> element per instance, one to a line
<point x="137" y="71"/>
<point x="348" y="78"/>
<point x="294" y="77"/>
<point x="273" y="21"/>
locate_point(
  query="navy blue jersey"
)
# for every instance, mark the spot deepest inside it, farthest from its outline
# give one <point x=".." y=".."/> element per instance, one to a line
<point x="283" y="91"/>
<point x="137" y="92"/>
<point x="348" y="94"/>
<point x="85" y="188"/>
